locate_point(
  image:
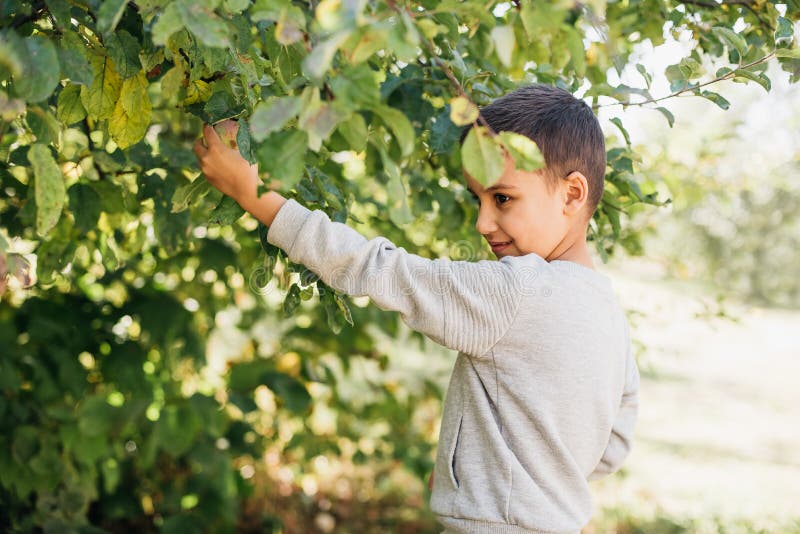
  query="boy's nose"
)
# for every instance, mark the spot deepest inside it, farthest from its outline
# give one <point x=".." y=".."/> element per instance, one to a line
<point x="485" y="224"/>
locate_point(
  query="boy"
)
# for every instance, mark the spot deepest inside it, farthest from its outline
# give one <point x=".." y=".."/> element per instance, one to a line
<point x="544" y="392"/>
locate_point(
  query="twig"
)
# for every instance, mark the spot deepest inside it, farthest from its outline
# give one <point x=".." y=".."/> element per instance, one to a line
<point x="726" y="76"/>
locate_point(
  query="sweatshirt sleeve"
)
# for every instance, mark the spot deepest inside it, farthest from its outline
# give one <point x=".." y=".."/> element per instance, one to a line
<point x="466" y="306"/>
<point x="621" y="440"/>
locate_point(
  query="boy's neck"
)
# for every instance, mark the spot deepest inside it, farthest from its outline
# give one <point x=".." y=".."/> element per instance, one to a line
<point x="573" y="248"/>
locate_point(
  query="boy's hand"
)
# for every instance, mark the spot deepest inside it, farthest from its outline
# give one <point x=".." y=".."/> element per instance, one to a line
<point x="224" y="167"/>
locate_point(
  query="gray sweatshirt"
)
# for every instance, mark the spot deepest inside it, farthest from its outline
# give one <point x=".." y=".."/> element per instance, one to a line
<point x="543" y="396"/>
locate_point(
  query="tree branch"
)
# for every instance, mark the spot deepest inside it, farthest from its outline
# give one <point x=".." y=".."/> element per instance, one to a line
<point x="726" y="76"/>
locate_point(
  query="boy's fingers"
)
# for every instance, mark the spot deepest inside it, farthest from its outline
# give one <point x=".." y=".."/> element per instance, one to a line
<point x="210" y="134"/>
<point x="199" y="148"/>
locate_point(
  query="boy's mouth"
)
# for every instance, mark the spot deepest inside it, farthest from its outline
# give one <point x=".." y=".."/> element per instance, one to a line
<point x="499" y="245"/>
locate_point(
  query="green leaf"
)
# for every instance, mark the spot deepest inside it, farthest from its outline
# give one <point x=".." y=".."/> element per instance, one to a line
<point x="648" y="79"/>
<point x="40" y="69"/>
<point x="317" y="63"/>
<point x="109" y="14"/>
<point x="200" y="19"/>
<point x="400" y="126"/>
<point x="236" y="6"/>
<point x="716" y="98"/>
<point x="282" y="156"/>
<point x="577" y="51"/>
<point x="49" y="187"/>
<point x="132" y="112"/>
<point x="731" y="38"/>
<point x="244" y="142"/>
<point x="668" y="114"/>
<point x="188" y="194"/>
<point x="100" y="98"/>
<point x="333" y="313"/>
<point x="228" y="211"/>
<point x="444" y="134"/>
<point x="793" y="53"/>
<point x="59" y="9"/>
<point x="618" y="123"/>
<point x="85" y="206"/>
<point x="760" y="79"/>
<point x="12" y="54"/>
<point x="176" y="429"/>
<point x="399" y="211"/>
<point x="292" y="393"/>
<point x="43" y="125"/>
<point x="341" y="302"/>
<point x="785" y="32"/>
<point x="690" y="68"/>
<point x="291" y="301"/>
<point x="482" y="157"/>
<point x="272" y="115"/>
<point x="523" y="150"/>
<point x="123" y="49"/>
<point x="74" y="63"/>
<point x="168" y="23"/>
<point x="358" y="86"/>
<point x="355" y="131"/>
<point x="318" y="119"/>
<point x="112" y="196"/>
<point x="222" y="105"/>
<point x="70" y="109"/>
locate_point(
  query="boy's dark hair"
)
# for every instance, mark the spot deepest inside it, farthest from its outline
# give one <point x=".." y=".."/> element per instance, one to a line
<point x="564" y="127"/>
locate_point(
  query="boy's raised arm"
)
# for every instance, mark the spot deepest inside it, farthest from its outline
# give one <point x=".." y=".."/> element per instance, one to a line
<point x="466" y="306"/>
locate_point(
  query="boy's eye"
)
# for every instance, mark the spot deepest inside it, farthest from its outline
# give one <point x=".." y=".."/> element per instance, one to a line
<point x="498" y="196"/>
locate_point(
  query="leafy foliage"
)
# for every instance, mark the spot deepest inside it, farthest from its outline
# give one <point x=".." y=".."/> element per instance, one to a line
<point x="110" y="413"/>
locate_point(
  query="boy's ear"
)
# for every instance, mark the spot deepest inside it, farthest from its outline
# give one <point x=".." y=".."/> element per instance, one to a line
<point x="575" y="189"/>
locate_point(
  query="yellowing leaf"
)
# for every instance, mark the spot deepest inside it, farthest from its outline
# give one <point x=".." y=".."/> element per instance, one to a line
<point x="49" y="188"/>
<point x="429" y="28"/>
<point x="463" y="111"/>
<point x="132" y="113"/>
<point x="101" y="96"/>
<point x="197" y="91"/>
<point x="523" y="150"/>
<point x="290" y="25"/>
<point x="371" y="40"/>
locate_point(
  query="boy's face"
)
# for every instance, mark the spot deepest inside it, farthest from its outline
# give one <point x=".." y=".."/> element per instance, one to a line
<point x="520" y="209"/>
